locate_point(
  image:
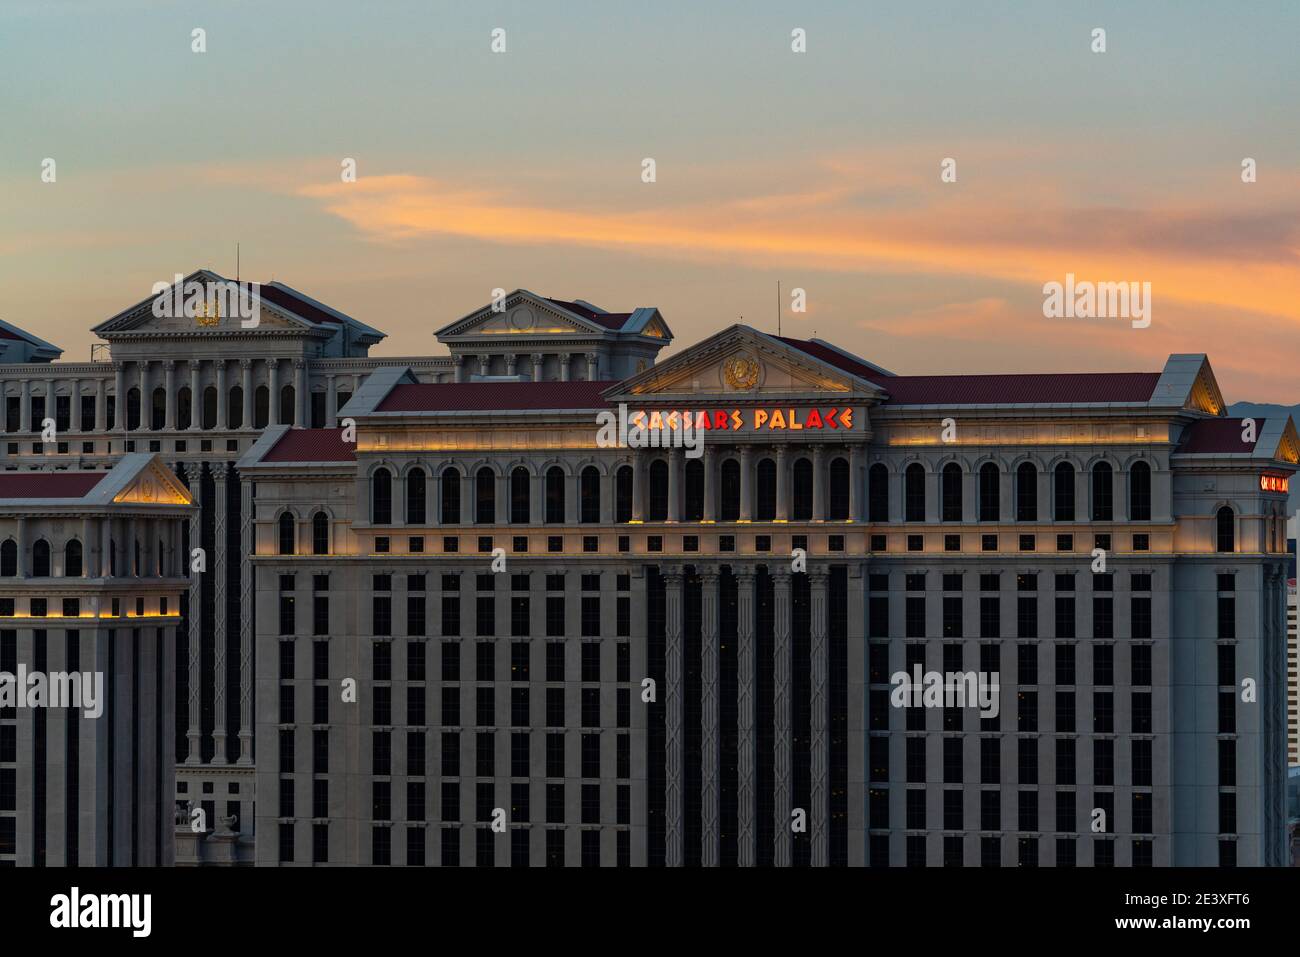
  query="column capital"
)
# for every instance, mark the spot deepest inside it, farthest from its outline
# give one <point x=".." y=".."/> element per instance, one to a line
<point x="745" y="574"/>
<point x="781" y="574"/>
<point x="245" y="363"/>
<point x="709" y="575"/>
<point x="673" y="576"/>
<point x="219" y="363"/>
<point x="818" y="578"/>
<point x="195" y="365"/>
<point x="329" y="376"/>
<point x="220" y="470"/>
<point x="272" y="362"/>
<point x="300" y="363"/>
<point x="537" y="357"/>
<point x="118" y="365"/>
<point x="458" y="359"/>
<point x="590" y="356"/>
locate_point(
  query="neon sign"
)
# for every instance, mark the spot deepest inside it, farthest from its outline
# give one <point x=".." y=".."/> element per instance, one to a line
<point x="741" y="420"/>
<point x="1274" y="483"/>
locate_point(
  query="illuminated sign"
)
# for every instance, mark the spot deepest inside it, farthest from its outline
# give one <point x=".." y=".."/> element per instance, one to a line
<point x="1274" y="483"/>
<point x="745" y="420"/>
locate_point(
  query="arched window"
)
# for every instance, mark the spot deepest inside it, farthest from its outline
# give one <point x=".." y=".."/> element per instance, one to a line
<point x="1026" y="493"/>
<point x="765" y="486"/>
<point x="1063" y="492"/>
<point x="693" y="486"/>
<point x="210" y="407"/>
<point x="1103" y="493"/>
<point x="261" y="407"/>
<point x="623" y="494"/>
<point x="184" y="407"/>
<point x="801" y="489"/>
<point x="415" y="494"/>
<point x="235" y="407"/>
<point x="9" y="559"/>
<point x="157" y="409"/>
<point x="72" y="558"/>
<point x="288" y="398"/>
<point x="914" y="493"/>
<point x="1227" y="531"/>
<point x="450" y="496"/>
<point x="485" y="497"/>
<point x="520" y="499"/>
<point x="555" y="495"/>
<point x="41" y="559"/>
<point x="132" y="409"/>
<point x="838" y="500"/>
<point x="990" y="492"/>
<point x="288" y="532"/>
<point x="320" y="534"/>
<point x="381" y="497"/>
<point x="729" y="489"/>
<point x="589" y="495"/>
<point x="878" y="493"/>
<point x="950" y="493"/>
<point x="657" y="510"/>
<point x="1139" y="492"/>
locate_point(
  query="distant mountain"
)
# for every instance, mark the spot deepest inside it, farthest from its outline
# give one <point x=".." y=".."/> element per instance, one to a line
<point x="1267" y="410"/>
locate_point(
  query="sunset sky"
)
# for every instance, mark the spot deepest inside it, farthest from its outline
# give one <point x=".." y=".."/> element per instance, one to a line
<point x="821" y="169"/>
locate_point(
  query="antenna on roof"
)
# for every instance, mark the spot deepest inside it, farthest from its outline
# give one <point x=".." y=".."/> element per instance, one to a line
<point x="778" y="307"/>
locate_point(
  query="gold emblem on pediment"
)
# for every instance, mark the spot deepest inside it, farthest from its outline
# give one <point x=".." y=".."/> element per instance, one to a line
<point x="741" y="371"/>
<point x="211" y="314"/>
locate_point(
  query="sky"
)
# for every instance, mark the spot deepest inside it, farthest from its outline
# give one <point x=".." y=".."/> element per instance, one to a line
<point x="820" y="169"/>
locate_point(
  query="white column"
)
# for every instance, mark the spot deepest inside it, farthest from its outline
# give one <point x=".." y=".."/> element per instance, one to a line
<point x="169" y="401"/>
<point x="782" y="716"/>
<point x="674" y="706"/>
<point x="273" y="391"/>
<point x="458" y="361"/>
<point x="537" y="366"/>
<point x="74" y="404"/>
<point x="246" y="387"/>
<point x="25" y="409"/>
<point x="219" y="631"/>
<point x="196" y="396"/>
<point x="331" y="403"/>
<point x="638" y="487"/>
<point x="782" y="485"/>
<point x="819" y="764"/>
<point x="565" y="358"/>
<point x="223" y="400"/>
<point x="591" y="366"/>
<point x="101" y="407"/>
<point x="512" y="361"/>
<point x="674" y="484"/>
<point x="746" y="484"/>
<point x="746" y="751"/>
<point x="819" y="485"/>
<point x="855" y="484"/>
<point x="119" y="397"/>
<point x="300" y="392"/>
<point x="194" y="475"/>
<point x="146" y="396"/>
<point x="484" y="364"/>
<point x="246" y="600"/>
<point x="710" y="718"/>
<point x="710" y="484"/>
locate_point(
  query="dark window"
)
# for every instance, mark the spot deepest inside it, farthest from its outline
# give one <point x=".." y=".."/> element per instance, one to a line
<point x="951" y="493"/>
<point x="450" y="497"/>
<point x="415" y="488"/>
<point x="914" y="493"/>
<point x="1026" y="493"/>
<point x="381" y="497"/>
<point x="485" y="497"/>
<point x="520" y="512"/>
<point x="1063" y="492"/>
<point x="1226" y="538"/>
<point x="1103" y="492"/>
<point x="288" y="532"/>
<point x="320" y="534"/>
<point x="878" y="493"/>
<point x="555" y="495"/>
<point x="589" y="493"/>
<point x="1139" y="479"/>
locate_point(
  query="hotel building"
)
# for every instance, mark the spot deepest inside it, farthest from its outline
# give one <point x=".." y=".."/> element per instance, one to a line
<point x="444" y="622"/>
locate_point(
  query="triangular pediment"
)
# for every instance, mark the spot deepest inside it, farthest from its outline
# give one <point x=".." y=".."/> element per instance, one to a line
<point x="154" y="484"/>
<point x="1188" y="382"/>
<point x="521" y="313"/>
<point x="224" y="309"/>
<point x="741" y="361"/>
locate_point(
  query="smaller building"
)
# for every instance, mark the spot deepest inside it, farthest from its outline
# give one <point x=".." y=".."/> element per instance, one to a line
<point x="92" y="573"/>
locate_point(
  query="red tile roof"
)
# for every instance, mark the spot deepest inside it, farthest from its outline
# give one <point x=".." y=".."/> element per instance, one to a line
<point x="312" y="445"/>
<point x="837" y="359"/>
<point x="610" y="320"/>
<point x="299" y="307"/>
<point x="1069" y="387"/>
<point x="48" y="484"/>
<point x="1215" y="436"/>
<point x="494" y="396"/>
<point x="1036" y="388"/>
